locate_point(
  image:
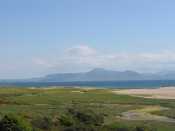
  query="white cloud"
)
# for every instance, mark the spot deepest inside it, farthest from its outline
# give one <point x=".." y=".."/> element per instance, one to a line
<point x="83" y="57"/>
<point x="81" y="51"/>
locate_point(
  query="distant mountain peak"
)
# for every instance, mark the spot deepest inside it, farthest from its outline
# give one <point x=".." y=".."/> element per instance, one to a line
<point x="130" y="72"/>
<point x="98" y="70"/>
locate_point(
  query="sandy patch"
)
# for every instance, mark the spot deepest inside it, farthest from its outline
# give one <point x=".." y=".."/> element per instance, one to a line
<point x="77" y="91"/>
<point x="145" y="114"/>
<point x="159" y="93"/>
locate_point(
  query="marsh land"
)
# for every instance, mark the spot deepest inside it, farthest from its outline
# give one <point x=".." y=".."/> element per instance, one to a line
<point x="87" y="109"/>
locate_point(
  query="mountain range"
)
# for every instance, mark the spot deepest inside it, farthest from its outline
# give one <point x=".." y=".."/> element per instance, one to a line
<point x="100" y="74"/>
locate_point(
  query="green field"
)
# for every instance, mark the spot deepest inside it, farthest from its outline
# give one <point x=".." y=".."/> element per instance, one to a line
<point x="36" y="104"/>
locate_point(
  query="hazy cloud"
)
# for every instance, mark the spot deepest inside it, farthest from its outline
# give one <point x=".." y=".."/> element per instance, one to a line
<point x="83" y="57"/>
<point x="81" y="51"/>
<point x="43" y="63"/>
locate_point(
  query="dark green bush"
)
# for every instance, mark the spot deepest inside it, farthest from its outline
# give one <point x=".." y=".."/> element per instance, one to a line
<point x="81" y="119"/>
<point x="144" y="128"/>
<point x="66" y="120"/>
<point x="125" y="127"/>
<point x="87" y="116"/>
<point x="44" y="123"/>
<point x="117" y="127"/>
<point x="14" y="123"/>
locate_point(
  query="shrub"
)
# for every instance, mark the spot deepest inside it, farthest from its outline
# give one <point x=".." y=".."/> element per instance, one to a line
<point x="66" y="120"/>
<point x="144" y="128"/>
<point x="117" y="127"/>
<point x="42" y="123"/>
<point x="81" y="119"/>
<point x="87" y="116"/>
<point x="14" y="123"/>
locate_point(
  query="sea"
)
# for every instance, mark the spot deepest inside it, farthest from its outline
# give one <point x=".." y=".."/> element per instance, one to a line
<point x="96" y="84"/>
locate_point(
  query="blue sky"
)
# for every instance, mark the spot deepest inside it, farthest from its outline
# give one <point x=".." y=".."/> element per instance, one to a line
<point x="39" y="37"/>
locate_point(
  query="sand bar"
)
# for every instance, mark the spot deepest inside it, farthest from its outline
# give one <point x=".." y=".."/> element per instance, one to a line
<point x="159" y="93"/>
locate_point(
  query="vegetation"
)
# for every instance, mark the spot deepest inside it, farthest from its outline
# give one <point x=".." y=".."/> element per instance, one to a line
<point x="81" y="119"/>
<point x="169" y="113"/>
<point x="14" y="123"/>
<point x="73" y="109"/>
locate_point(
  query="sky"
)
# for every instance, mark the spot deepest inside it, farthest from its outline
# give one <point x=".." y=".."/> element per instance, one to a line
<point x="39" y="37"/>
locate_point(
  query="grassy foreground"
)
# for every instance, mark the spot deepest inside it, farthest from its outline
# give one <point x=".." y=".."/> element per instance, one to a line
<point x="55" y="109"/>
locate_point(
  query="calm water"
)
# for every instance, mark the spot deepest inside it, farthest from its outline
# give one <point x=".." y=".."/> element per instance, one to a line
<point x="104" y="84"/>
